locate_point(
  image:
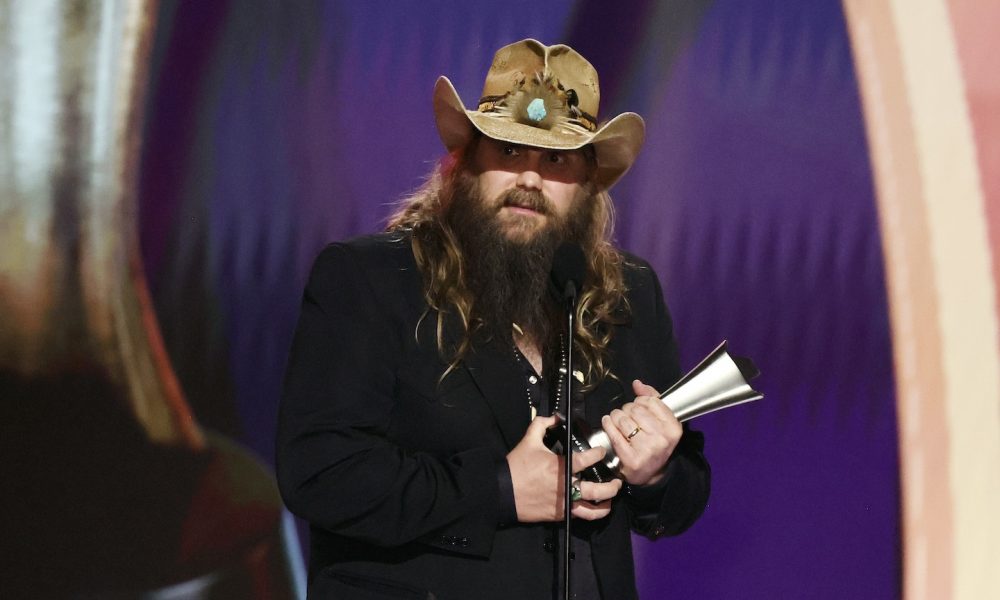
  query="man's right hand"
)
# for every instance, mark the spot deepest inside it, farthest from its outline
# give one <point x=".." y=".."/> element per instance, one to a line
<point x="537" y="476"/>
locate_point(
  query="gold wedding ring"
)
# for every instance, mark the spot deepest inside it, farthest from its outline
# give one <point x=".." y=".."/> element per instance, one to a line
<point x="633" y="433"/>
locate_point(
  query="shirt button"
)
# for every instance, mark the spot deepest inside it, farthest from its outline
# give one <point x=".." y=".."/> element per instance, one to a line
<point x="549" y="546"/>
<point x="532" y="379"/>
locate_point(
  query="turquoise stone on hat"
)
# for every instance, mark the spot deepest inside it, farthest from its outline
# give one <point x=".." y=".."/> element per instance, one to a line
<point x="536" y="110"/>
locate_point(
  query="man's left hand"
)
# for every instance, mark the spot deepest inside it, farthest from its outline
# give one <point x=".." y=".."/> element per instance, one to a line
<point x="643" y="433"/>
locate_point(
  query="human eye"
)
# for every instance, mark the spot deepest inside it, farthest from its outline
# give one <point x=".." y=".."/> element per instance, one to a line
<point x="510" y="150"/>
<point x="557" y="158"/>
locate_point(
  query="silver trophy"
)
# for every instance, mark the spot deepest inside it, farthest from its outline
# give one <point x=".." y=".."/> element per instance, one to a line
<point x="719" y="381"/>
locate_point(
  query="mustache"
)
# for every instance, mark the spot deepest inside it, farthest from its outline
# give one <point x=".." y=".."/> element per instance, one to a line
<point x="533" y="200"/>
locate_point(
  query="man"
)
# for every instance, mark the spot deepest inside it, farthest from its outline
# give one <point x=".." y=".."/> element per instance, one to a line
<point x="408" y="437"/>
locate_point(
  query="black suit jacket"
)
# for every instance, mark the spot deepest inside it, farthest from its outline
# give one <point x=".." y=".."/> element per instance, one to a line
<point x="396" y="469"/>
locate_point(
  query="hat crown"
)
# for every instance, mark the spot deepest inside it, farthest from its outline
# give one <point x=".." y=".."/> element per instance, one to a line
<point x="517" y="63"/>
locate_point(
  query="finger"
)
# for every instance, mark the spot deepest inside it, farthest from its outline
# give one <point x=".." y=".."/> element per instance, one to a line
<point x="582" y="460"/>
<point x="641" y="389"/>
<point x="658" y="422"/>
<point x="622" y="448"/>
<point x="656" y="406"/>
<point x="621" y="419"/>
<point x="597" y="499"/>
<point x="599" y="492"/>
<point x="645" y="412"/>
<point x="646" y="419"/>
<point x="627" y="423"/>
<point x="655" y="414"/>
<point x="590" y="512"/>
<point x="537" y="427"/>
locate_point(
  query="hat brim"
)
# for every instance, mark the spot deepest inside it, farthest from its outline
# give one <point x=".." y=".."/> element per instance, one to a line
<point x="616" y="143"/>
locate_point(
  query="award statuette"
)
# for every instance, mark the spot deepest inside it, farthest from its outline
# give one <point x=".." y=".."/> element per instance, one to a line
<point x="718" y="381"/>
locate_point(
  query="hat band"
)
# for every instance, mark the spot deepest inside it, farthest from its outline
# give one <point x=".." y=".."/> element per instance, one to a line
<point x="488" y="104"/>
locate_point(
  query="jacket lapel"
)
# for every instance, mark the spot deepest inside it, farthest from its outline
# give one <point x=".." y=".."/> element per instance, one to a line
<point x="497" y="378"/>
<point x="490" y="365"/>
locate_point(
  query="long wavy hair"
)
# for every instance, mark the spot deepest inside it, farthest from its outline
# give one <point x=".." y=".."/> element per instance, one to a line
<point x="437" y="252"/>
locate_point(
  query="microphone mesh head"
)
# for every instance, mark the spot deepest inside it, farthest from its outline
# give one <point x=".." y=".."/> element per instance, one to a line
<point x="568" y="266"/>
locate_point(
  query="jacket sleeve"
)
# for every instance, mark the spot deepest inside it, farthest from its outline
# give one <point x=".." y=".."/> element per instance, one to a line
<point x="674" y="503"/>
<point x="336" y="467"/>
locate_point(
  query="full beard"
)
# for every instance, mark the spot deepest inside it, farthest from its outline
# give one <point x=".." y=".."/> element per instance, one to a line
<point x="507" y="269"/>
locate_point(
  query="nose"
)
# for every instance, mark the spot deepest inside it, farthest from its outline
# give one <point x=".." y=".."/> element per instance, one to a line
<point x="529" y="178"/>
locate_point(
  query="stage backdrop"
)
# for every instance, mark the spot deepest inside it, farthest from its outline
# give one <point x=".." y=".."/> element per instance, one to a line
<point x="241" y="137"/>
<point x="275" y="129"/>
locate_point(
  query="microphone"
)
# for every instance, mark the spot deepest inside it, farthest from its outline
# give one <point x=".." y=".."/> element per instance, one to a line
<point x="568" y="270"/>
<point x="569" y="267"/>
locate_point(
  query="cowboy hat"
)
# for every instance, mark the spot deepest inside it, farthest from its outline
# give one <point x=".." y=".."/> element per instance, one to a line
<point x="542" y="96"/>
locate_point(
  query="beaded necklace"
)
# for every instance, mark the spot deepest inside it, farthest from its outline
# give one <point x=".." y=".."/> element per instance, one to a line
<point x="534" y="403"/>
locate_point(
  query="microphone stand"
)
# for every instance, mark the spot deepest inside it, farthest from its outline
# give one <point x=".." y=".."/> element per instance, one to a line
<point x="567" y="552"/>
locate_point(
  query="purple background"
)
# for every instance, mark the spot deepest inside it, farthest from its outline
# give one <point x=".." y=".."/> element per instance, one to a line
<point x="274" y="128"/>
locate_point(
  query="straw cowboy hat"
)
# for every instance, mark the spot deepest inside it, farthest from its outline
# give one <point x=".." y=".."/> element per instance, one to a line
<point x="543" y="96"/>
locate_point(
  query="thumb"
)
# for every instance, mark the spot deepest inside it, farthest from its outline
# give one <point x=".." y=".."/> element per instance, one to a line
<point x="641" y="389"/>
<point x="538" y="426"/>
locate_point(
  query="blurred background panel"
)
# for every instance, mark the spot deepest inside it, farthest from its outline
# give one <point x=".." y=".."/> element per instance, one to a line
<point x="112" y="488"/>
<point x="269" y="129"/>
<point x="753" y="199"/>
